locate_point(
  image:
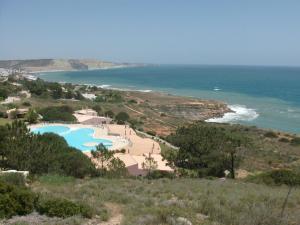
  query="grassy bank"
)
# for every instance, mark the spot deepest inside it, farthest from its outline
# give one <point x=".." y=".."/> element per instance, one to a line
<point x="162" y="201"/>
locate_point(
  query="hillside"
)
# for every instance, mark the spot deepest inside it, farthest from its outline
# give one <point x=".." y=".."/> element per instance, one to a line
<point x="165" y="201"/>
<point x="35" y="65"/>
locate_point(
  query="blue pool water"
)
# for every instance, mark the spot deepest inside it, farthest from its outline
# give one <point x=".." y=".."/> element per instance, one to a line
<point x="75" y="138"/>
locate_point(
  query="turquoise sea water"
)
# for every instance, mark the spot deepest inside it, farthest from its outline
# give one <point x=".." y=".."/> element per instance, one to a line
<point x="267" y="97"/>
<point x="75" y="138"/>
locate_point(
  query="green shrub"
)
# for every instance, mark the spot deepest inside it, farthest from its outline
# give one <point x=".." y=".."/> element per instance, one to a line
<point x="13" y="179"/>
<point x="284" y="140"/>
<point x="122" y="117"/>
<point x="157" y="174"/>
<point x="55" y="179"/>
<point x="295" y="141"/>
<point x="270" y="134"/>
<point x="63" y="208"/>
<point x="152" y="133"/>
<point x="3" y="114"/>
<point x="132" y="101"/>
<point x="109" y="114"/>
<point x="41" y="154"/>
<point x="58" y="113"/>
<point x="276" y="177"/>
<point x="26" y="104"/>
<point x="15" y="200"/>
<point x="3" y="93"/>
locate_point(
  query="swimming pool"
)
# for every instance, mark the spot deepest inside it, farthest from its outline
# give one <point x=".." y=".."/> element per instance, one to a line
<point x="76" y="137"/>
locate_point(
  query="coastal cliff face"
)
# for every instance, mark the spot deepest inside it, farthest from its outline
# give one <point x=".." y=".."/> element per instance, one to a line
<point x="40" y="65"/>
<point x="196" y="110"/>
<point x="163" y="112"/>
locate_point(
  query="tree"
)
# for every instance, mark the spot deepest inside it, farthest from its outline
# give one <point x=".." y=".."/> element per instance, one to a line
<point x="207" y="149"/>
<point x="40" y="154"/>
<point x="32" y="116"/>
<point x="117" y="167"/>
<point x="78" y="96"/>
<point x="109" y="113"/>
<point x="56" y="90"/>
<point x="103" y="155"/>
<point x="122" y="117"/>
<point x="98" y="109"/>
<point x="69" y="94"/>
<point x="149" y="164"/>
<point x="3" y="93"/>
<point x="232" y="147"/>
<point x="58" y="113"/>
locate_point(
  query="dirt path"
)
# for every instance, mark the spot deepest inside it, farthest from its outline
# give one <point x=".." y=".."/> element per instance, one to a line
<point x="115" y="211"/>
<point x="134" y="110"/>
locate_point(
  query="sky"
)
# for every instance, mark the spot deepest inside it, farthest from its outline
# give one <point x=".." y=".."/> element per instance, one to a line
<point x="235" y="32"/>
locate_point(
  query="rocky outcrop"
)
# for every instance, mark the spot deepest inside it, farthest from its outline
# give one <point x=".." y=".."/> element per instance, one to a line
<point x="199" y="111"/>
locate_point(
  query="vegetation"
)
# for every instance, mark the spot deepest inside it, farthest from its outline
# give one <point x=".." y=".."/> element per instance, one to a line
<point x="19" y="200"/>
<point x="276" y="177"/>
<point x="271" y="134"/>
<point x="149" y="165"/>
<point x="205" y="150"/>
<point x="15" y="200"/>
<point x="122" y="117"/>
<point x="109" y="96"/>
<point x="199" y="201"/>
<point x="3" y="93"/>
<point x="63" y="208"/>
<point x="208" y="150"/>
<point x="16" y="179"/>
<point x="32" y="116"/>
<point x="102" y="155"/>
<point x="295" y="141"/>
<point x="109" y="165"/>
<point x="40" y="154"/>
<point x="58" y="113"/>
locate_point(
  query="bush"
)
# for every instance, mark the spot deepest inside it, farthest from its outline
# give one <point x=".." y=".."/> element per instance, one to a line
<point x="63" y="208"/>
<point x="284" y="140"/>
<point x="122" y="117"/>
<point x="109" y="114"/>
<point x="15" y="200"/>
<point x="276" y="177"/>
<point x="3" y="114"/>
<point x="41" y="154"/>
<point x="270" y="134"/>
<point x="31" y="116"/>
<point x="13" y="179"/>
<point x="295" y="141"/>
<point x="132" y="101"/>
<point x="157" y="174"/>
<point x="58" y="113"/>
<point x="152" y="133"/>
<point x="26" y="104"/>
<point x="3" y="93"/>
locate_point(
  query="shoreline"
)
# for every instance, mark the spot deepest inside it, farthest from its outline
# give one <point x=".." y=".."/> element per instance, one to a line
<point x="223" y="114"/>
<point x="75" y="70"/>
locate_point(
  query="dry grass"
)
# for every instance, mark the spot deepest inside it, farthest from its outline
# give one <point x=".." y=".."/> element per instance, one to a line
<point x="161" y="201"/>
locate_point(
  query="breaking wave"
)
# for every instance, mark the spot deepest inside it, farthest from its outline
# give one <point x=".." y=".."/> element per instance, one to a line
<point x="240" y="113"/>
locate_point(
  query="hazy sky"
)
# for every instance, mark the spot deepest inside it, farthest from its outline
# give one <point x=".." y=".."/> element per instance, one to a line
<point x="153" y="31"/>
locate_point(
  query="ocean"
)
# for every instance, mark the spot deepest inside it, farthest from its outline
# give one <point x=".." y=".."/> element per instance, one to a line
<point x="267" y="97"/>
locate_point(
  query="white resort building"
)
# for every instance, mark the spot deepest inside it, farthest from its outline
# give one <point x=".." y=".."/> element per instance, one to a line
<point x="90" y="117"/>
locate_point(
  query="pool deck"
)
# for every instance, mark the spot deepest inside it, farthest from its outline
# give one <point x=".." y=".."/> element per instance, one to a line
<point x="123" y="137"/>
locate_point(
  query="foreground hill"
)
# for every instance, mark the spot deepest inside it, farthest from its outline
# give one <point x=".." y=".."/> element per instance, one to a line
<point x="35" y="65"/>
<point x="167" y="201"/>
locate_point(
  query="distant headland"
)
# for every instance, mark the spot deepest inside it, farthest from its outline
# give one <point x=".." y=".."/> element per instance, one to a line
<point x="48" y="65"/>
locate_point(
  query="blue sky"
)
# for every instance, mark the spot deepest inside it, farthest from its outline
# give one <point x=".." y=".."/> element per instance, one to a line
<point x="256" y="32"/>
